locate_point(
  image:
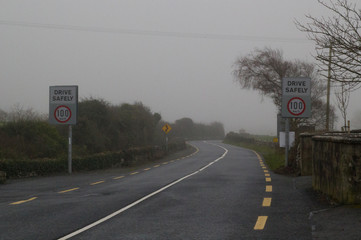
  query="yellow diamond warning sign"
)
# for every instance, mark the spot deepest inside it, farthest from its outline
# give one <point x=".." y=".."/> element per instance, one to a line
<point x="166" y="128"/>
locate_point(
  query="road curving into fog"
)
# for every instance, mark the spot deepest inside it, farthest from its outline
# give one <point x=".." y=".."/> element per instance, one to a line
<point x="218" y="192"/>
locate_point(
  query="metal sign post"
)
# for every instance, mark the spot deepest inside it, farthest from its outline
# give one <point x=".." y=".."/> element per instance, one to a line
<point x="70" y="150"/>
<point x="166" y="142"/>
<point x="63" y="110"/>
<point x="287" y="135"/>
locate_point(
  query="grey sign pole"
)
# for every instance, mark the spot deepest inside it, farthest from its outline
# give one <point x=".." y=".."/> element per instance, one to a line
<point x="70" y="150"/>
<point x="166" y="143"/>
<point x="287" y="136"/>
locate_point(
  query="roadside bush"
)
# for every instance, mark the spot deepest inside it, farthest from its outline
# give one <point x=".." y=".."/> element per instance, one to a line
<point x="98" y="161"/>
<point x="46" y="166"/>
<point x="30" y="139"/>
<point x="34" y="167"/>
<point x="103" y="127"/>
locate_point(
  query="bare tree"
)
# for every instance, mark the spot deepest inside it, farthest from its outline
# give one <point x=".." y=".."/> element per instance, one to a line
<point x="18" y="114"/>
<point x="337" y="40"/>
<point x="3" y="116"/>
<point x="263" y="70"/>
<point x="343" y="98"/>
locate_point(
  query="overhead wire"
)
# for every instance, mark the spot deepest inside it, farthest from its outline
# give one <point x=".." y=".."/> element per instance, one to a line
<point x="214" y="36"/>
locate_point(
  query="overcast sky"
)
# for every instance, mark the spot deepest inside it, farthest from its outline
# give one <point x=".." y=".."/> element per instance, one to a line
<point x="175" y="56"/>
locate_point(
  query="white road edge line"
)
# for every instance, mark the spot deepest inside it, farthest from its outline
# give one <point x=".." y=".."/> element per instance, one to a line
<point x="143" y="198"/>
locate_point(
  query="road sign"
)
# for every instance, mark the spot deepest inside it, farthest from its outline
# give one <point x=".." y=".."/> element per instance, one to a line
<point x="63" y="109"/>
<point x="166" y="128"/>
<point x="296" y="97"/>
<point x="63" y="104"/>
<point x="296" y="106"/>
<point x="62" y="114"/>
<point x="291" y="139"/>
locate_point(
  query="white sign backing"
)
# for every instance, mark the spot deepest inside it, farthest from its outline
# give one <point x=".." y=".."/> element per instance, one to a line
<point x="63" y="104"/>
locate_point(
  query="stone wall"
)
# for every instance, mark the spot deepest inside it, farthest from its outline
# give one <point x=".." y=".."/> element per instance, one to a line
<point x="305" y="161"/>
<point x="336" y="166"/>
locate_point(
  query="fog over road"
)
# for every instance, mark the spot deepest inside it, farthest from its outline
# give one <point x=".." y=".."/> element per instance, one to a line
<point x="219" y="192"/>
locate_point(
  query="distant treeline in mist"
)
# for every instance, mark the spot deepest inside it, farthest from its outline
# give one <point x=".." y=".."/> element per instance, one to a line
<point x="101" y="127"/>
<point x="187" y="129"/>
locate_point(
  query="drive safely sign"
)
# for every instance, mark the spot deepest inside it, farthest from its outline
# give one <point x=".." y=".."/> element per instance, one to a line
<point x="296" y="97"/>
<point x="63" y="104"/>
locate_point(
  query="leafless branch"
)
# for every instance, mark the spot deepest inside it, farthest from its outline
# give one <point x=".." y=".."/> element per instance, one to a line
<point x="341" y="32"/>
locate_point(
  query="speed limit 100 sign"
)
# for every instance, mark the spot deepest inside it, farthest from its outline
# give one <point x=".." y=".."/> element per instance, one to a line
<point x="296" y="97"/>
<point x="63" y="104"/>
<point x="296" y="106"/>
<point x="62" y="114"/>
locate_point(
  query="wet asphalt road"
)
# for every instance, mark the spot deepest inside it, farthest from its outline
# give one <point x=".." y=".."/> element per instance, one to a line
<point x="220" y="192"/>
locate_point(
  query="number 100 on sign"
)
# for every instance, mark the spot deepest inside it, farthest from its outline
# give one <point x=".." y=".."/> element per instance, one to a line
<point x="62" y="114"/>
<point x="296" y="106"/>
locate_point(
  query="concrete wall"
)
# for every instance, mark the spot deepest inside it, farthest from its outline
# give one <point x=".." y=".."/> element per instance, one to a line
<point x="336" y="166"/>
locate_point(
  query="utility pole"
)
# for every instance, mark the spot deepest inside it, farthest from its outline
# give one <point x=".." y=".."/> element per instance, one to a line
<point x="328" y="89"/>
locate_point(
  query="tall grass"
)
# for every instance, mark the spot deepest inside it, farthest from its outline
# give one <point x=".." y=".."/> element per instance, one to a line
<point x="273" y="155"/>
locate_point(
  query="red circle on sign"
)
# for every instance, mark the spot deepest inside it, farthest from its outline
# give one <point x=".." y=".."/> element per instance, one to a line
<point x="62" y="114"/>
<point x="296" y="106"/>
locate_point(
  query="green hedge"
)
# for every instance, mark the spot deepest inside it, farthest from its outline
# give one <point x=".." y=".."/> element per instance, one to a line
<point x="35" y="167"/>
<point x="99" y="161"/>
<point x="41" y="167"/>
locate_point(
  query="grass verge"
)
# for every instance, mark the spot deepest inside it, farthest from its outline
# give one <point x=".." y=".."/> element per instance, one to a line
<point x="274" y="157"/>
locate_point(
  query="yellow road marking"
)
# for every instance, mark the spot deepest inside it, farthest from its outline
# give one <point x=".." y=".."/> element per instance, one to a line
<point x="95" y="183"/>
<point x="266" y="171"/>
<point x="268" y="179"/>
<point x="261" y="223"/>
<point x="69" y="190"/>
<point x="156" y="165"/>
<point x="133" y="173"/>
<point x="264" y="167"/>
<point x="269" y="188"/>
<point x="165" y="163"/>
<point x="23" y="201"/>
<point x="267" y="174"/>
<point x="146" y="169"/>
<point x="266" y="202"/>
<point x="171" y="161"/>
<point x="115" y="178"/>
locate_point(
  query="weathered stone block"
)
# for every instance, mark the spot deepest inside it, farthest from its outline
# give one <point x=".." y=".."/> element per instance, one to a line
<point x="306" y="153"/>
<point x="337" y="166"/>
